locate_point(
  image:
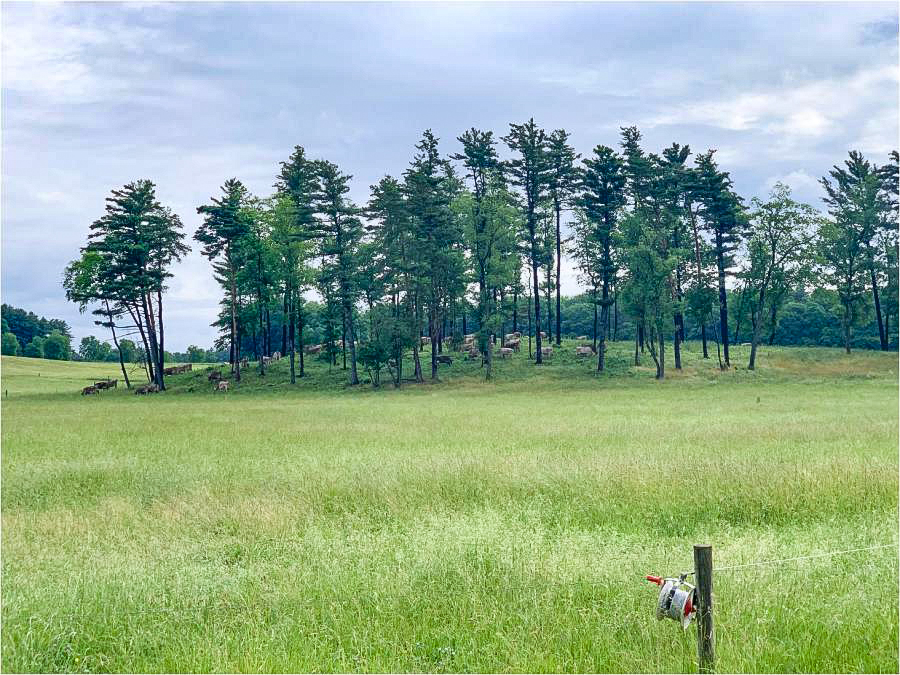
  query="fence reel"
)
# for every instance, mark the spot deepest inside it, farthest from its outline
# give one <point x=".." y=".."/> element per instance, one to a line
<point x="676" y="599"/>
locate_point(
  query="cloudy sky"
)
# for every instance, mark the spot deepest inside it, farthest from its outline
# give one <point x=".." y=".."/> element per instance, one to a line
<point x="97" y="95"/>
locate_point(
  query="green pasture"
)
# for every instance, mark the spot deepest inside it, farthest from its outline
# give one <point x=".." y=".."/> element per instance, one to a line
<point x="463" y="526"/>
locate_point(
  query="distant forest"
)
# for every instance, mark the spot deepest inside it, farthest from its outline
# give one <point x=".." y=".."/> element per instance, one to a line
<point x="462" y="251"/>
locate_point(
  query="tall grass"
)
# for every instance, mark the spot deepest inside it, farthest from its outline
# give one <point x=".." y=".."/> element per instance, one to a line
<point x="461" y="527"/>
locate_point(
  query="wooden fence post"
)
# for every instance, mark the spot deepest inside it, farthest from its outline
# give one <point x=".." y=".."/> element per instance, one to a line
<point x="706" y="637"/>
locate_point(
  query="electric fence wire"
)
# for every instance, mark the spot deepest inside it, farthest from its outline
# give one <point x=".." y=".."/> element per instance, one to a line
<point x="799" y="557"/>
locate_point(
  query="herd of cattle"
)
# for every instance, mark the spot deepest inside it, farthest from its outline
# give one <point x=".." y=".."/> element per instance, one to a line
<point x="511" y="344"/>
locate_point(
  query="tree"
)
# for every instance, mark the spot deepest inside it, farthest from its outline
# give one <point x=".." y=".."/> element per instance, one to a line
<point x="429" y="187"/>
<point x="339" y="231"/>
<point x="602" y="197"/>
<point x="563" y="182"/>
<point x="488" y="230"/>
<point x="137" y="241"/>
<point x="842" y="257"/>
<point x="293" y="223"/>
<point x="85" y="284"/>
<point x="530" y="173"/>
<point x="57" y="347"/>
<point x="779" y="235"/>
<point x="857" y="199"/>
<point x="92" y="349"/>
<point x="10" y="344"/>
<point x="224" y="234"/>
<point x="722" y="217"/>
<point x="35" y="348"/>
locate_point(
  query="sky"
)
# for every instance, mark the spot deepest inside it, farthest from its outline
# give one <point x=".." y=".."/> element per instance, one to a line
<point x="189" y="95"/>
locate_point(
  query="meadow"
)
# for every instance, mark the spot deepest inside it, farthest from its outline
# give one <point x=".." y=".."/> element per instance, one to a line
<point x="464" y="526"/>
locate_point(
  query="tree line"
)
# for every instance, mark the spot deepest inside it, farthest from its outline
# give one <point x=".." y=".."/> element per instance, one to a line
<point x="469" y="242"/>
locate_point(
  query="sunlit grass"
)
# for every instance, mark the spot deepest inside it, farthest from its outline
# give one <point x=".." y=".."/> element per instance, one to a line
<point x="460" y="527"/>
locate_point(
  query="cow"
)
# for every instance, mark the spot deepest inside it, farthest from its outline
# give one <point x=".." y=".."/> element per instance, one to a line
<point x="547" y="351"/>
<point x="504" y="352"/>
<point x="441" y="358"/>
<point x="222" y="385"/>
<point x="90" y="389"/>
<point x="106" y="384"/>
<point x="245" y="363"/>
<point x="266" y="360"/>
<point x="147" y="389"/>
<point x="509" y="337"/>
<point x="276" y="356"/>
<point x="584" y="351"/>
<point x="314" y="349"/>
<point x="513" y="344"/>
<point x="543" y="335"/>
<point x="215" y="376"/>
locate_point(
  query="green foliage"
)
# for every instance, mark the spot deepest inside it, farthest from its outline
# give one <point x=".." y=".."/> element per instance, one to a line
<point x="92" y="349"/>
<point x="35" y="348"/>
<point x="27" y="325"/>
<point x="10" y="344"/>
<point x="57" y="347"/>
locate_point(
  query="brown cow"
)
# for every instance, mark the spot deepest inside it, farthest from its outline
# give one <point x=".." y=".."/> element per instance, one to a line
<point x="90" y="389"/>
<point x="215" y="376"/>
<point x="513" y="344"/>
<point x="503" y="352"/>
<point x="147" y="389"/>
<point x="442" y="358"/>
<point x="584" y="351"/>
<point x="222" y="385"/>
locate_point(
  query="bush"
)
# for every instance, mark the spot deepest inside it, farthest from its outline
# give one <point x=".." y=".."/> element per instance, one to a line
<point x="35" y="348"/>
<point x="10" y="345"/>
<point x="56" y="347"/>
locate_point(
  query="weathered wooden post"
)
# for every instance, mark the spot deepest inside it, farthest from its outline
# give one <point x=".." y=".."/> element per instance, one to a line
<point x="706" y="636"/>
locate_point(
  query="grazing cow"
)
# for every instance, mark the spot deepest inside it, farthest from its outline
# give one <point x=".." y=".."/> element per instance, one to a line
<point x="584" y="351"/>
<point x="147" y="389"/>
<point x="444" y="359"/>
<point x="91" y="389"/>
<point x="509" y="337"/>
<point x="276" y="356"/>
<point x="215" y="376"/>
<point x="504" y="352"/>
<point x="513" y="344"/>
<point x="222" y="385"/>
<point x="313" y="349"/>
<point x="547" y="351"/>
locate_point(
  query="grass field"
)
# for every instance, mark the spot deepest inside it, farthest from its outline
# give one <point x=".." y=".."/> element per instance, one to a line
<point x="455" y="527"/>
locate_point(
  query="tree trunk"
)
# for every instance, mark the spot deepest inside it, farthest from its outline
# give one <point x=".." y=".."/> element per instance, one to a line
<point x="558" y="268"/>
<point x="284" y="321"/>
<point x="661" y="366"/>
<point x="549" y="305"/>
<point x="882" y="335"/>
<point x="723" y="298"/>
<point x="290" y="319"/>
<point x="112" y="327"/>
<point x="515" y="316"/>
<point x="604" y="321"/>
<point x="236" y="347"/>
<point x="594" y="334"/>
<point x="703" y="338"/>
<point x="537" y="311"/>
<point x="300" y="339"/>
<point x="348" y="322"/>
